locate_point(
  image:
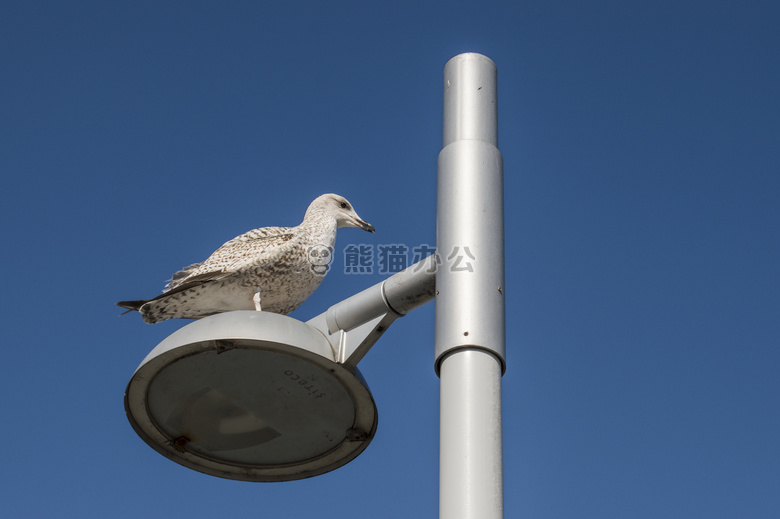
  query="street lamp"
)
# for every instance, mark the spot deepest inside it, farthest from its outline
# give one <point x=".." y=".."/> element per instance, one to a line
<point x="256" y="396"/>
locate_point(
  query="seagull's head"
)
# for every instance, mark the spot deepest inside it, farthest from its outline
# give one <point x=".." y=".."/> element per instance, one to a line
<point x="340" y="208"/>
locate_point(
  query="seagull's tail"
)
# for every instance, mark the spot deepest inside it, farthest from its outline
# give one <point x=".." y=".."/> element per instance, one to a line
<point x="132" y="305"/>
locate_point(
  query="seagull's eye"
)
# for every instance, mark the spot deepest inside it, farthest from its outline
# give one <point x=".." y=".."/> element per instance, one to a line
<point x="343" y="205"/>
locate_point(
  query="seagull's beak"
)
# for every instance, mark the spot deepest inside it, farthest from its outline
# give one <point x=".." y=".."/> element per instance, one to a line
<point x="364" y="225"/>
<point x="353" y="220"/>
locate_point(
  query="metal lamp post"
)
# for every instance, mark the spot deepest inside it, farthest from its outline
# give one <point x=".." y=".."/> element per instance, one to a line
<point x="255" y="396"/>
<point x="470" y="329"/>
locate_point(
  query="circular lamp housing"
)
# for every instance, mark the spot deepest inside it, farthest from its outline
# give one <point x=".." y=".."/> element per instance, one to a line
<point x="252" y="396"/>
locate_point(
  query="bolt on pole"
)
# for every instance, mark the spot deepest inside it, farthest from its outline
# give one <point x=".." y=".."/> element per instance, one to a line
<point x="470" y="320"/>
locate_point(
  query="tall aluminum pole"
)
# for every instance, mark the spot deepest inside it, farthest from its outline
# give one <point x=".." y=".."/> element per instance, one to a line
<point x="470" y="329"/>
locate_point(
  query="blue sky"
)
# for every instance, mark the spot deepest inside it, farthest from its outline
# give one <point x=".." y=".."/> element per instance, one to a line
<point x="641" y="145"/>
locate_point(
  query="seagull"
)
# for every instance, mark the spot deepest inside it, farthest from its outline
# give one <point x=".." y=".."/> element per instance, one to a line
<point x="273" y="269"/>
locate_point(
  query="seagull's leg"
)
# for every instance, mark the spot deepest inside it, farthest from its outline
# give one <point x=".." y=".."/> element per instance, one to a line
<point x="256" y="299"/>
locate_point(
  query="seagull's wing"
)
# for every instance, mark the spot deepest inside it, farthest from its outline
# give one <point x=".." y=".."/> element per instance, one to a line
<point x="257" y="246"/>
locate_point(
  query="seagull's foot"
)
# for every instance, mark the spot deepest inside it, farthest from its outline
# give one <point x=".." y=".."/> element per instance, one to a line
<point x="256" y="300"/>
